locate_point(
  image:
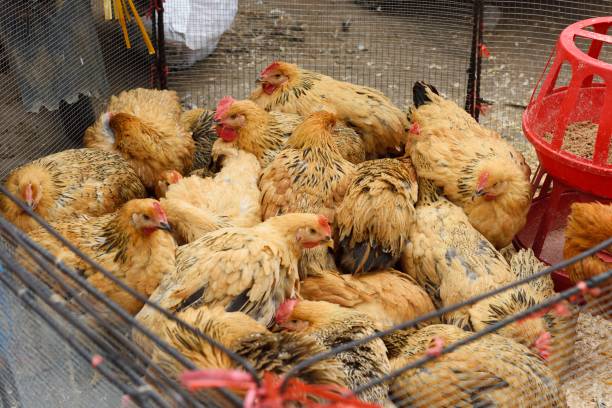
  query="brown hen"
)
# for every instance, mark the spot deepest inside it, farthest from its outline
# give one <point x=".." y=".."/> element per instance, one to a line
<point x="287" y="88"/>
<point x="589" y="224"/>
<point x="332" y="325"/>
<point x="454" y="262"/>
<point x="265" y="351"/>
<point x="251" y="270"/>
<point x="374" y="219"/>
<point x="143" y="125"/>
<point x="477" y="169"/>
<point x="492" y="371"/>
<point x="265" y="134"/>
<point x="388" y="297"/>
<point x="64" y="184"/>
<point x="132" y="243"/>
<point x="309" y="175"/>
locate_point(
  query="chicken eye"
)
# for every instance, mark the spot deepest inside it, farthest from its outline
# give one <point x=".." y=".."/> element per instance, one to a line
<point x="233" y="117"/>
<point x="312" y="231"/>
<point x="146" y="217"/>
<point x="277" y="76"/>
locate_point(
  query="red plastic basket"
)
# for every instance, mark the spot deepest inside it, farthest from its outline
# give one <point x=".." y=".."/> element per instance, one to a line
<point x="564" y="178"/>
<point x="582" y="100"/>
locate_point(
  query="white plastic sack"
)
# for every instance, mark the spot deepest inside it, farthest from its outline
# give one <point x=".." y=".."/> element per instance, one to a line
<point x="192" y="28"/>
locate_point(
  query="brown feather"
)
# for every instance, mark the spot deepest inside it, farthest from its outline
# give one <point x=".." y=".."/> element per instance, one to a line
<point x="381" y="125"/>
<point x="72" y="182"/>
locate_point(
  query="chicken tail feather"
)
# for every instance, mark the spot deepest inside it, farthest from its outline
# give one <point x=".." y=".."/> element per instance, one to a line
<point x="419" y="93"/>
<point x="363" y="257"/>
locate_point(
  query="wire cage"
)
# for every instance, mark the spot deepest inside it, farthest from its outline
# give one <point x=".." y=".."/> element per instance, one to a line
<point x="63" y="344"/>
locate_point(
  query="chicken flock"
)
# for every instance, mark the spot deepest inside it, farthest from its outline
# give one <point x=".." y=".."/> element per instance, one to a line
<point x="312" y="214"/>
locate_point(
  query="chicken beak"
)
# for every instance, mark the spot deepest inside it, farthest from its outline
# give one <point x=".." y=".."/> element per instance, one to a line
<point x="479" y="193"/>
<point x="215" y="122"/>
<point x="329" y="242"/>
<point x="164" y="226"/>
<point x="259" y="80"/>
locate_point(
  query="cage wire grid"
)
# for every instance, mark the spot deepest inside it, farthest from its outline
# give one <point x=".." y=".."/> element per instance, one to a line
<point x="60" y="61"/>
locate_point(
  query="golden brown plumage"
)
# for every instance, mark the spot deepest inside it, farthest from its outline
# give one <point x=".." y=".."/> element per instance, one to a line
<point x="80" y="181"/>
<point x="332" y="325"/>
<point x="252" y="270"/>
<point x="588" y="225"/>
<point x="143" y="125"/>
<point x="375" y="217"/>
<point x="477" y="169"/>
<point x="308" y="175"/>
<point x="492" y="371"/>
<point x="388" y="297"/>
<point x="189" y="222"/>
<point x="265" y="134"/>
<point x="287" y="88"/>
<point x="230" y="198"/>
<point x="265" y="351"/>
<point x="132" y="243"/>
<point x="454" y="262"/>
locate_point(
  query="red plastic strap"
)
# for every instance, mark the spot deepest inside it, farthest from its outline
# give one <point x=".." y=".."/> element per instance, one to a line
<point x="268" y="394"/>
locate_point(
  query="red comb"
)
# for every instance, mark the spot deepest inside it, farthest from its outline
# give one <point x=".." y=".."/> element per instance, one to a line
<point x="284" y="310"/>
<point x="542" y="344"/>
<point x="482" y="180"/>
<point x="269" y="68"/>
<point x="159" y="211"/>
<point x="324" y="222"/>
<point x="415" y="128"/>
<point x="223" y="106"/>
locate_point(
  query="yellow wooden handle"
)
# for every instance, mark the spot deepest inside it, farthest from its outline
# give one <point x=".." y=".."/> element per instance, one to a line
<point x="145" y="35"/>
<point x="121" y="18"/>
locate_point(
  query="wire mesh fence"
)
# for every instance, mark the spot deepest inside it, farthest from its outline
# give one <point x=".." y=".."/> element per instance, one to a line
<point x="60" y="62"/>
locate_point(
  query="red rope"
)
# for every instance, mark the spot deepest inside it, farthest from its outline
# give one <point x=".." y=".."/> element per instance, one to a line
<point x="268" y="394"/>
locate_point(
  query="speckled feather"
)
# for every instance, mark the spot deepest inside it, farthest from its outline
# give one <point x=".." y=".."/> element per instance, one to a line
<point x="252" y="270"/>
<point x="112" y="241"/>
<point x="454" y="262"/>
<point x="154" y="142"/>
<point x="562" y="328"/>
<point x="310" y="176"/>
<point x="452" y="149"/>
<point x="374" y="219"/>
<point x="489" y="372"/>
<point x="332" y="325"/>
<point x="381" y="124"/>
<point x="267" y="352"/>
<point x="79" y="181"/>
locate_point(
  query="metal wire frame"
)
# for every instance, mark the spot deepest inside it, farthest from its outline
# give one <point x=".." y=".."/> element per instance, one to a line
<point x="447" y="309"/>
<point x="425" y="397"/>
<point x="44" y="260"/>
<point x="30" y="246"/>
<point x="574" y="290"/>
<point x="235" y="357"/>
